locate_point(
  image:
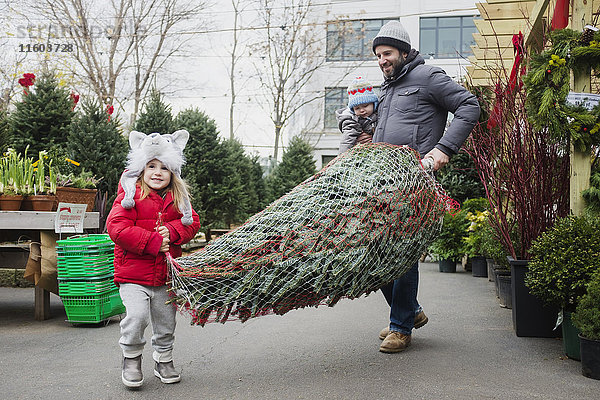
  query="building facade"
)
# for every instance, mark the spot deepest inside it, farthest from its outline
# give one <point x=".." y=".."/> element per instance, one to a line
<point x="440" y="30"/>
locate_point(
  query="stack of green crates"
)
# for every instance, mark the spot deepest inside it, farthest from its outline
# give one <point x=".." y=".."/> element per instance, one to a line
<point x="85" y="278"/>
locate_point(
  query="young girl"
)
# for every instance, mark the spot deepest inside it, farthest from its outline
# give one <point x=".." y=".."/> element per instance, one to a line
<point x="142" y="235"/>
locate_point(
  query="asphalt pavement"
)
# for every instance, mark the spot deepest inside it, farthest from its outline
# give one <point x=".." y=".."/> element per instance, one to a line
<point x="468" y="350"/>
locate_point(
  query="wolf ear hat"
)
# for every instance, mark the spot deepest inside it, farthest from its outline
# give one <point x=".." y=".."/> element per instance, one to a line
<point x="168" y="149"/>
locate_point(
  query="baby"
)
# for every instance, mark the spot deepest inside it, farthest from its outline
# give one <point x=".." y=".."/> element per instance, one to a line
<point x="359" y="116"/>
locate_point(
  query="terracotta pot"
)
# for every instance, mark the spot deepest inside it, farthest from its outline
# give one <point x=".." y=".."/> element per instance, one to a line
<point x="40" y="202"/>
<point x="10" y="202"/>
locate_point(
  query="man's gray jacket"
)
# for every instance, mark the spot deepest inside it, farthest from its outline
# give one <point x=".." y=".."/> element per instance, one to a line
<point x="413" y="109"/>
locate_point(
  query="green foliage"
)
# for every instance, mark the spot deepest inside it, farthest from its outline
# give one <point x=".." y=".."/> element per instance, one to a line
<point x="296" y="165"/>
<point x="219" y="173"/>
<point x="460" y="179"/>
<point x="564" y="259"/>
<point x="42" y="118"/>
<point x="449" y="243"/>
<point x="4" y="131"/>
<point x="91" y="129"/>
<point x="156" y="116"/>
<point x="592" y="194"/>
<point x="587" y="315"/>
<point x="491" y="246"/>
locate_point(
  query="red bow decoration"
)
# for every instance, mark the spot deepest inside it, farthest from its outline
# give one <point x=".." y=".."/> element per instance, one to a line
<point x="109" y="110"/>
<point x="519" y="49"/>
<point x="75" y="98"/>
<point x="560" y="19"/>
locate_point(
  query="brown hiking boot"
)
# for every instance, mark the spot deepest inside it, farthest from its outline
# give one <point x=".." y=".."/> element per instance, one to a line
<point x="420" y="320"/>
<point x="395" y="342"/>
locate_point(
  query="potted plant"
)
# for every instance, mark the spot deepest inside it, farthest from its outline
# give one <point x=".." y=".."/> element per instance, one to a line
<point x="448" y="247"/>
<point x="587" y="319"/>
<point x="15" y="176"/>
<point x="41" y="195"/>
<point x="564" y="258"/>
<point x="477" y="216"/>
<point x="77" y="188"/>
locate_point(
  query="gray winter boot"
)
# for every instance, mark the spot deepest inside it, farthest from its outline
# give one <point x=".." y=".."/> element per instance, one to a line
<point x="132" y="372"/>
<point x="166" y="372"/>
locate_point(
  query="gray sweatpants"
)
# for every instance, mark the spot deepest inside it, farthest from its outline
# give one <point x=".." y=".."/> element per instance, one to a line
<point x="145" y="304"/>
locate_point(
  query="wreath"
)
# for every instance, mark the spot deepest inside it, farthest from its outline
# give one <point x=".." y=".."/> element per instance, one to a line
<point x="548" y="85"/>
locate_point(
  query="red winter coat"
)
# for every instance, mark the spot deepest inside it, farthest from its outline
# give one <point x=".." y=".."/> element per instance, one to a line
<point x="137" y="244"/>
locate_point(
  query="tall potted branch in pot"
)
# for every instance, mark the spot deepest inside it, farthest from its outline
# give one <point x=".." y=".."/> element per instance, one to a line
<point x="564" y="258"/>
<point x="587" y="319"/>
<point x="524" y="170"/>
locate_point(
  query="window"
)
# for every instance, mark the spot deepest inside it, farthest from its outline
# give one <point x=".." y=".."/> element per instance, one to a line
<point x="446" y="37"/>
<point x="326" y="160"/>
<point x="335" y="98"/>
<point x="352" y="40"/>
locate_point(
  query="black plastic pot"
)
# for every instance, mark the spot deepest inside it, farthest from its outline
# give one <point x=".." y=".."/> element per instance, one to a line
<point x="490" y="269"/>
<point x="446" y="265"/>
<point x="570" y="335"/>
<point x="590" y="357"/>
<point x="504" y="283"/>
<point x="479" y="267"/>
<point x="531" y="317"/>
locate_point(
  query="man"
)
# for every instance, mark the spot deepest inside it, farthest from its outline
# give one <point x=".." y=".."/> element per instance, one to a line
<point x="413" y="109"/>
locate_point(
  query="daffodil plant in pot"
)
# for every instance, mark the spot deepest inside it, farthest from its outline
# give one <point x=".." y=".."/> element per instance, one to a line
<point x="41" y="195"/>
<point x="16" y="178"/>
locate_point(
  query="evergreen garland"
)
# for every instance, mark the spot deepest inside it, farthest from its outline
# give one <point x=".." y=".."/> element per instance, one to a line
<point x="548" y="86"/>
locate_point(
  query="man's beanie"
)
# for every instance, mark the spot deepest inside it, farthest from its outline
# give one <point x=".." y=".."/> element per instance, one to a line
<point x="393" y="34"/>
<point x="360" y="91"/>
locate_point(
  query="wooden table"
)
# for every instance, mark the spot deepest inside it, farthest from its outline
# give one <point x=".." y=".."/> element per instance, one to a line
<point x="44" y="223"/>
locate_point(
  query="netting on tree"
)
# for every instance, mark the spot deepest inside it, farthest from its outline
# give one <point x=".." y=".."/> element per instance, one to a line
<point x="359" y="223"/>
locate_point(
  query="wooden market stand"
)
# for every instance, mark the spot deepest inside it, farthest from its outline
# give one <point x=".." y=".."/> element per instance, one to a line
<point x="42" y="223"/>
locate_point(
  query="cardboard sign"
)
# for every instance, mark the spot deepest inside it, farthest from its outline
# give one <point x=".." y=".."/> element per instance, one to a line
<point x="69" y="218"/>
<point x="587" y="100"/>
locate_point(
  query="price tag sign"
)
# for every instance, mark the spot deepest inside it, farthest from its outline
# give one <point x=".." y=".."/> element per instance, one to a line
<point x="587" y="100"/>
<point x="69" y="218"/>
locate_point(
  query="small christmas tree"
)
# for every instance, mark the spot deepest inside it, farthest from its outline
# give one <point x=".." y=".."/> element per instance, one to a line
<point x="97" y="144"/>
<point x="156" y="116"/>
<point x="43" y="117"/>
<point x="296" y="165"/>
<point x="4" y="131"/>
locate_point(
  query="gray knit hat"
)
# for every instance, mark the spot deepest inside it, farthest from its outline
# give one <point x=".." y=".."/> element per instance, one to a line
<point x="393" y="34"/>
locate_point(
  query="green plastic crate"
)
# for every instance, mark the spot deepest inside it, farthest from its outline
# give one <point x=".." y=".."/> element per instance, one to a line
<point x="93" y="309"/>
<point x="85" y="256"/>
<point x="84" y="269"/>
<point x="86" y="287"/>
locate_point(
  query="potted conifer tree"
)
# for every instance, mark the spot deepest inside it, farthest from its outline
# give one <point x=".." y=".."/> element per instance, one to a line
<point x="587" y="319"/>
<point x="564" y="258"/>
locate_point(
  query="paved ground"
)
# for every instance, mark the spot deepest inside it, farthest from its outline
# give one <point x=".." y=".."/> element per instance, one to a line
<point x="467" y="351"/>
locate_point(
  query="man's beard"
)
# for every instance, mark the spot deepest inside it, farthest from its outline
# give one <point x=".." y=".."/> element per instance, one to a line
<point x="397" y="67"/>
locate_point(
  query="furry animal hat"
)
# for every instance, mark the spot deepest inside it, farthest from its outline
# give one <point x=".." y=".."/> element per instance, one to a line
<point x="168" y="149"/>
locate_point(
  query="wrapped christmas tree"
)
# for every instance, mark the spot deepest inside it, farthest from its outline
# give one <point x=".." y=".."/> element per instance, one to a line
<point x="359" y="223"/>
